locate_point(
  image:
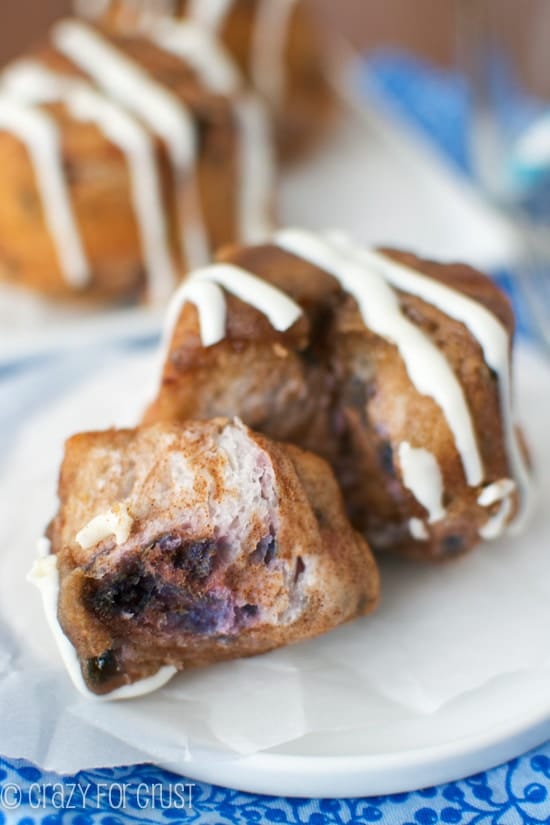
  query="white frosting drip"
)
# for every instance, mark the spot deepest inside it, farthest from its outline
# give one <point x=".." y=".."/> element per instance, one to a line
<point x="379" y="305"/>
<point x="268" y="63"/>
<point x="32" y="82"/>
<point x="45" y="576"/>
<point x="369" y="276"/>
<point x="496" y="492"/>
<point x="40" y="135"/>
<point x="127" y="133"/>
<point x="203" y="290"/>
<point x="422" y="476"/>
<point x="201" y="51"/>
<point x="115" y="522"/>
<point x="209" y="13"/>
<point x="495" y="343"/>
<point x="502" y="490"/>
<point x="418" y="529"/>
<point x="281" y="310"/>
<point x="497" y="524"/>
<point x="161" y="110"/>
<point x="209" y="300"/>
<point x="257" y="171"/>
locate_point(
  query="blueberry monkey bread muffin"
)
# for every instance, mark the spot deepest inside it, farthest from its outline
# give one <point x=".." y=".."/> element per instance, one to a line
<point x="177" y="546"/>
<point x="394" y="369"/>
<point x="127" y="159"/>
<point x="280" y="46"/>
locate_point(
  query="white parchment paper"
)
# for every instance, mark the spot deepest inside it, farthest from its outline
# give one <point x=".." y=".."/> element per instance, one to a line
<point x="441" y="631"/>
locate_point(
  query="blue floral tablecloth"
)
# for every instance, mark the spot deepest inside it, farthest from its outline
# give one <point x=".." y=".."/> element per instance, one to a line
<point x="515" y="793"/>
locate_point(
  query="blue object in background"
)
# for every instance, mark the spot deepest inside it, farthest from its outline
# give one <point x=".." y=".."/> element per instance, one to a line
<point x="434" y="101"/>
<point x="517" y="793"/>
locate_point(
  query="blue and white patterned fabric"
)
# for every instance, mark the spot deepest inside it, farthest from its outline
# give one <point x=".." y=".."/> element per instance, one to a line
<point x="515" y="793"/>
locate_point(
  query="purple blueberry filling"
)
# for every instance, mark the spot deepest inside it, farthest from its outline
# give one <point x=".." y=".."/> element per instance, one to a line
<point x="164" y="587"/>
<point x="265" y="551"/>
<point x="101" y="669"/>
<point x="204" y="615"/>
<point x="245" y="614"/>
<point x="385" y="458"/>
<point x="129" y="592"/>
<point x="197" y="558"/>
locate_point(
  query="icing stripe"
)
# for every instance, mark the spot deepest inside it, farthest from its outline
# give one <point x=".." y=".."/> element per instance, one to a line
<point x="418" y="529"/>
<point x="269" y="40"/>
<point x="164" y="114"/>
<point x="136" y="145"/>
<point x="422" y="476"/>
<point x="34" y="83"/>
<point x="256" y="162"/>
<point x="40" y="135"/>
<point x="203" y="290"/>
<point x="210" y="303"/>
<point x="201" y="51"/>
<point x="281" y="310"/>
<point x="496" y="492"/>
<point x="495" y="343"/>
<point x="426" y="366"/>
<point x="502" y="491"/>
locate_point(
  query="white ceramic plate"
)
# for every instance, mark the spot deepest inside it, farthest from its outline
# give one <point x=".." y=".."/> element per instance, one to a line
<point x="394" y="742"/>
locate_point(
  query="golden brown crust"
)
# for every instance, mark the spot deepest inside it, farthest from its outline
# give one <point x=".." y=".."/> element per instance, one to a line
<point x="185" y="592"/>
<point x="332" y="386"/>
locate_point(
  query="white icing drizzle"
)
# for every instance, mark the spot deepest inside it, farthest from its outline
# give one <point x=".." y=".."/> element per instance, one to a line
<point x="503" y="491"/>
<point x="209" y="13"/>
<point x="257" y="170"/>
<point x="201" y="51"/>
<point x="422" y="476"/>
<point x="45" y="576"/>
<point x="34" y="83"/>
<point x="369" y="276"/>
<point x="418" y="529"/>
<point x="281" y="310"/>
<point x="496" y="492"/>
<point x="115" y="522"/>
<point x="267" y="61"/>
<point x="257" y="164"/>
<point x="40" y="135"/>
<point x="203" y="290"/>
<point x="495" y="343"/>
<point x="209" y="300"/>
<point x="496" y="525"/>
<point x="426" y="366"/>
<point x="163" y="113"/>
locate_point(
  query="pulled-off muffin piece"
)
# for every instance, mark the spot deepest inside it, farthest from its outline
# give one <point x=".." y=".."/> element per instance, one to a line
<point x="395" y="369"/>
<point x="179" y="546"/>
